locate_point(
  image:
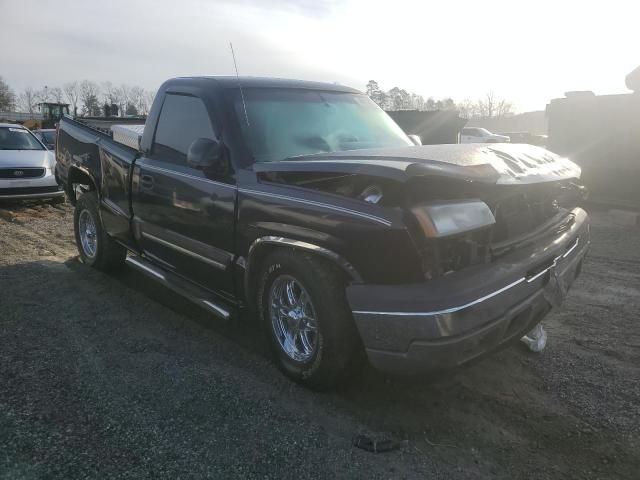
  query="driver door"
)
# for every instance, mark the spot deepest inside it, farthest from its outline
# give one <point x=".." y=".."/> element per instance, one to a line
<point x="183" y="219"/>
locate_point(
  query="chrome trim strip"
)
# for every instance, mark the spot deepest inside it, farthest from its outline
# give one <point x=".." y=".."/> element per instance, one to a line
<point x="339" y="259"/>
<point x="568" y="252"/>
<point x="154" y="258"/>
<point x="447" y="310"/>
<point x="218" y="309"/>
<point x="186" y="175"/>
<point x="180" y="249"/>
<point x="555" y="262"/>
<point x="145" y="268"/>
<point x="319" y="204"/>
<point x="113" y="207"/>
<point x="539" y="274"/>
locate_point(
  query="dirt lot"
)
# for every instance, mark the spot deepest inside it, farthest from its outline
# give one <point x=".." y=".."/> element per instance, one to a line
<point x="112" y="376"/>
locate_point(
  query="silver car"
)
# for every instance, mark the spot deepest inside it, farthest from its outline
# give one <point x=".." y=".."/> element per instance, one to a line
<point x="26" y="166"/>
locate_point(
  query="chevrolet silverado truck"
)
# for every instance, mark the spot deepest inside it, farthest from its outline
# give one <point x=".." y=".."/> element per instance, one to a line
<point x="306" y="204"/>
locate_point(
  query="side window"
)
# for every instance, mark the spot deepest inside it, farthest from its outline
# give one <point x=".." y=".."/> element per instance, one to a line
<point x="183" y="119"/>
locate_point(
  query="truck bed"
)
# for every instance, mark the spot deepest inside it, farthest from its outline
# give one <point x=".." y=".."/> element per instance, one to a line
<point x="85" y="146"/>
<point x="104" y="124"/>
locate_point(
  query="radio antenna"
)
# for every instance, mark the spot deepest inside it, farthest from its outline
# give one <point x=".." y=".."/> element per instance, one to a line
<point x="244" y="105"/>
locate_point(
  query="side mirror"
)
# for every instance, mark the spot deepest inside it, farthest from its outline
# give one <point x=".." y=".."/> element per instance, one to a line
<point x="208" y="155"/>
<point x="417" y="141"/>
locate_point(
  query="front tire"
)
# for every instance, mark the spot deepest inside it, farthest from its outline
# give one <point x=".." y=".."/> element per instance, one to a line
<point x="97" y="249"/>
<point x="305" y="312"/>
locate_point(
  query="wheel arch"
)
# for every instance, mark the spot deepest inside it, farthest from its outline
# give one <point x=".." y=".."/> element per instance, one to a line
<point x="81" y="176"/>
<point x="263" y="246"/>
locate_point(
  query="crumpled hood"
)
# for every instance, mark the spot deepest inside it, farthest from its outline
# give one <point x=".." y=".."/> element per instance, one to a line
<point x="502" y="163"/>
<point x="26" y="158"/>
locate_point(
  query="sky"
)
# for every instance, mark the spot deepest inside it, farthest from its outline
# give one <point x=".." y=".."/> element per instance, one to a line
<point x="527" y="52"/>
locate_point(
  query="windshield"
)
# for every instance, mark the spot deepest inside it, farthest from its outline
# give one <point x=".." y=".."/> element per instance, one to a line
<point x="49" y="136"/>
<point x="18" y="139"/>
<point x="290" y="123"/>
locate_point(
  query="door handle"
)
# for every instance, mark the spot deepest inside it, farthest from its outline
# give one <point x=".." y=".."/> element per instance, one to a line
<point x="146" y="181"/>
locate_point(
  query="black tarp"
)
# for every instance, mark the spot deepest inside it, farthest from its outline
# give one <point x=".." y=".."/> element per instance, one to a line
<point x="433" y="127"/>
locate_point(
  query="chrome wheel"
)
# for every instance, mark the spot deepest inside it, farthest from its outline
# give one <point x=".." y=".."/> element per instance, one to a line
<point x="88" y="234"/>
<point x="293" y="318"/>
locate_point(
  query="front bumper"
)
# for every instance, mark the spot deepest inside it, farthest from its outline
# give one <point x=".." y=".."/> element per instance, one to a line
<point x="450" y="321"/>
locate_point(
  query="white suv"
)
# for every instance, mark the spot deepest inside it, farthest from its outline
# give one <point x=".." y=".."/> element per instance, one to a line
<point x="481" y="135"/>
<point x="26" y="166"/>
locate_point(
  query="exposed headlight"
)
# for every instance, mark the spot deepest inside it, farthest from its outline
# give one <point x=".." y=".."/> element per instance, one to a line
<point x="452" y="218"/>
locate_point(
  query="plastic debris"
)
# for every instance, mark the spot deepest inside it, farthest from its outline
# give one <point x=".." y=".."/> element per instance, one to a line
<point x="536" y="339"/>
<point x="375" y="446"/>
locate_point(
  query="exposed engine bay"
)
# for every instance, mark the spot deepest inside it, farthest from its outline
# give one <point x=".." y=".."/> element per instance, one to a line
<point x="525" y="193"/>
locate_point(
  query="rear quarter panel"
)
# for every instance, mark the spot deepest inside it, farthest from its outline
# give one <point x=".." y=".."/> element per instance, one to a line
<point x="107" y="163"/>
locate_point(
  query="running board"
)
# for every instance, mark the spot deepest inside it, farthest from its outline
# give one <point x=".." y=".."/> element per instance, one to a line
<point x="191" y="292"/>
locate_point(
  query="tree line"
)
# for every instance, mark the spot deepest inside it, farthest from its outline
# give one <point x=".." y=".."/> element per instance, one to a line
<point x="400" y="99"/>
<point x="86" y="98"/>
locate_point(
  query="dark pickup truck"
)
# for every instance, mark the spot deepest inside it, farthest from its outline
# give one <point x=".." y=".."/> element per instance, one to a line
<point x="307" y="204"/>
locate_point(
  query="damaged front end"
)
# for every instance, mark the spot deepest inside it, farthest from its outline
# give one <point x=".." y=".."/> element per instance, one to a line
<point x="498" y="232"/>
<point x="512" y="217"/>
<point x="465" y="205"/>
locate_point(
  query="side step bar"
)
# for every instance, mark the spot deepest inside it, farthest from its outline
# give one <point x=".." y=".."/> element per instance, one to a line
<point x="180" y="286"/>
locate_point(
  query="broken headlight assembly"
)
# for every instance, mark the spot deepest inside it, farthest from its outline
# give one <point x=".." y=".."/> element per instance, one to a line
<point x="445" y="219"/>
<point x="457" y="235"/>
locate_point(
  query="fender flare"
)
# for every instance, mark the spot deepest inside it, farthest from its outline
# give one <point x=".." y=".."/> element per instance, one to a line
<point x="334" y="257"/>
<point x="81" y="171"/>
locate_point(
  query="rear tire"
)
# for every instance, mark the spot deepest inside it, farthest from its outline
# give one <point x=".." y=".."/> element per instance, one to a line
<point x="314" y="339"/>
<point x="96" y="248"/>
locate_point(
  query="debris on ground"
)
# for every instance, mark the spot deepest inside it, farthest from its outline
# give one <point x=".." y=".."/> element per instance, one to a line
<point x="536" y="339"/>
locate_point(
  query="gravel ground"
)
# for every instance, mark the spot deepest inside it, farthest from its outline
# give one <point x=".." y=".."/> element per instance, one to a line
<point x="112" y="376"/>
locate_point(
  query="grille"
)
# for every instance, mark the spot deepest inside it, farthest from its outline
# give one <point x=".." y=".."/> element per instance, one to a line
<point x="17" y="173"/>
<point x="520" y="214"/>
<point x="29" y="190"/>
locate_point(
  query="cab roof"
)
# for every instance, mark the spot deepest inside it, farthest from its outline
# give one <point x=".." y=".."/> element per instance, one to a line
<point x="264" y="82"/>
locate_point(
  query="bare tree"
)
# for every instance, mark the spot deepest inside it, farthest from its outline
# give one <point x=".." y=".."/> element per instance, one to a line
<point x="137" y="99"/>
<point x="109" y="93"/>
<point x="28" y="100"/>
<point x="43" y="95"/>
<point x="7" y="97"/>
<point x="487" y="105"/>
<point x="491" y="106"/>
<point x="72" y="93"/>
<point x="504" y="108"/>
<point x="123" y="96"/>
<point x="149" y="97"/>
<point x="89" y="92"/>
<point x="56" y="94"/>
<point x="467" y="108"/>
